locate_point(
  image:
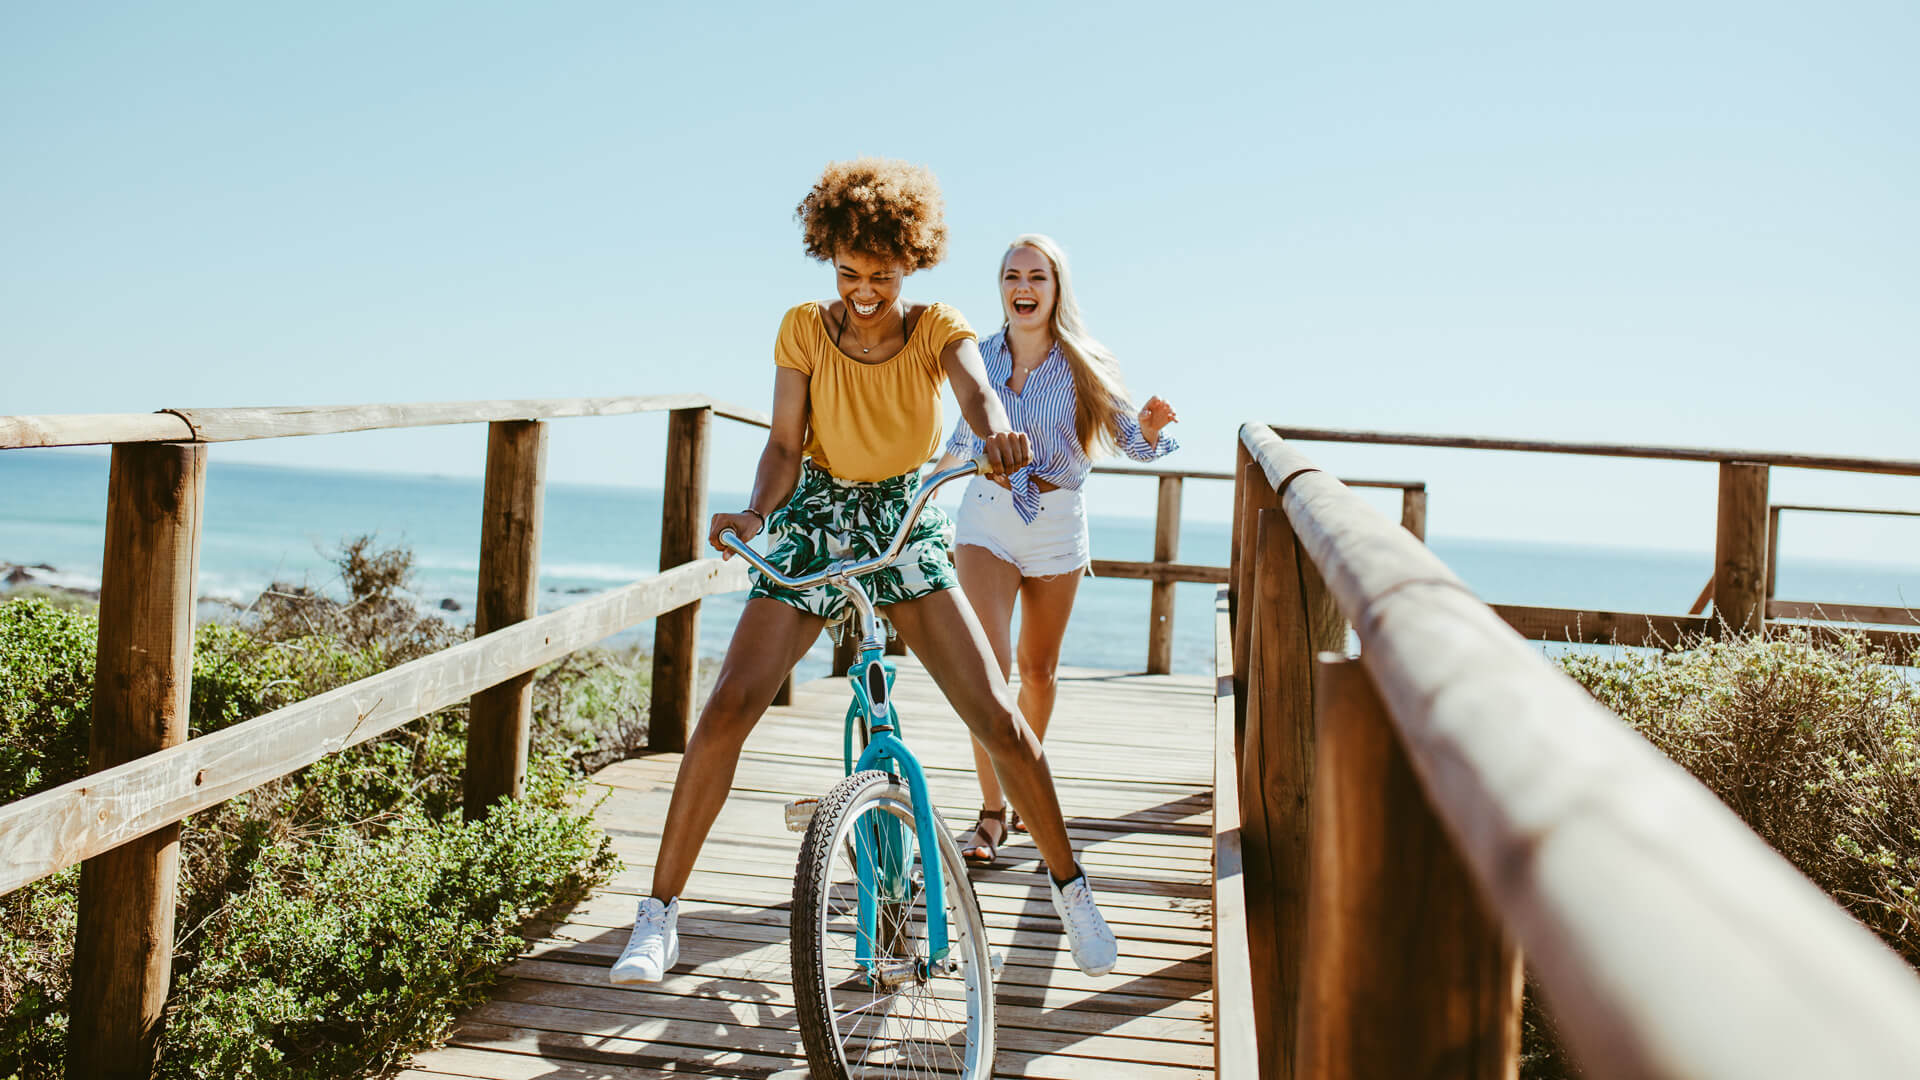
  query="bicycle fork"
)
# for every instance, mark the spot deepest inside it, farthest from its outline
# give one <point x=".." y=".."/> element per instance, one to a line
<point x="884" y="854"/>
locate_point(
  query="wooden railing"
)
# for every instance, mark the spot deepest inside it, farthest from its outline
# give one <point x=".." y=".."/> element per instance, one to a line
<point x="1745" y="545"/>
<point x="1413" y="820"/>
<point x="121" y="821"/>
<point x="1164" y="572"/>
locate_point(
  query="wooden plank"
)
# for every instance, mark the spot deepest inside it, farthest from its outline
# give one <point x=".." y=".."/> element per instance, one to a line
<point x="1884" y="466"/>
<point x="1603" y="627"/>
<point x="1413" y="511"/>
<point x="683" y="531"/>
<point x="1843" y="611"/>
<point x="1847" y="509"/>
<point x="1773" y="553"/>
<point x="1163" y="474"/>
<point x="1161" y="573"/>
<point x="123" y="947"/>
<point x="1740" y="550"/>
<point x="1236" y="533"/>
<point x="1236" y="1054"/>
<point x="500" y="723"/>
<point x="1166" y="547"/>
<point x="1296" y="621"/>
<point x="223" y="425"/>
<point x="1403" y="972"/>
<point x="1256" y="494"/>
<point x="763" y="1029"/>
<point x="228" y="425"/>
<point x="1098" y="1005"/>
<point x="92" y="429"/>
<point x="744" y="1002"/>
<point x="57" y="828"/>
<point x="1669" y="940"/>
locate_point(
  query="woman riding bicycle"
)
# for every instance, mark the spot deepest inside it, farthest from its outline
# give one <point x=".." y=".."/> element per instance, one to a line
<point x="856" y="411"/>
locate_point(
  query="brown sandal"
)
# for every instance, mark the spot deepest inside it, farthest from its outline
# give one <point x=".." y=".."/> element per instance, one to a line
<point x="1014" y="823"/>
<point x="982" y="851"/>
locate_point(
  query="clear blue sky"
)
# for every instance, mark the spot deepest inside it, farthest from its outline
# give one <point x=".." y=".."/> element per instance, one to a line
<point x="1680" y="223"/>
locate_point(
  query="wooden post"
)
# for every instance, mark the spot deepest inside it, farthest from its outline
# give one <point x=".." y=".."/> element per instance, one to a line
<point x="1295" y="619"/>
<point x="845" y="651"/>
<point x="1255" y="496"/>
<point x="1236" y="536"/>
<point x="1166" y="546"/>
<point x="123" y="948"/>
<point x="1413" y="512"/>
<point x="896" y="646"/>
<point x="784" y="695"/>
<point x="1740" y="550"/>
<point x="1773" y="550"/>
<point x="676" y="634"/>
<point x="1404" y="974"/>
<point x="500" y="718"/>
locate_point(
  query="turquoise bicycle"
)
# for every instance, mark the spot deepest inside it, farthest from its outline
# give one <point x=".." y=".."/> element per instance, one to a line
<point x="892" y="975"/>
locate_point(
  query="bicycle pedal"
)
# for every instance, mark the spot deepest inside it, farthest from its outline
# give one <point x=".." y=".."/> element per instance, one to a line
<point x="800" y="814"/>
<point x="997" y="961"/>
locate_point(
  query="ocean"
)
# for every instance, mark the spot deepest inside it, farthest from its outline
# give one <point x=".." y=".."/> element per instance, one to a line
<point x="267" y="523"/>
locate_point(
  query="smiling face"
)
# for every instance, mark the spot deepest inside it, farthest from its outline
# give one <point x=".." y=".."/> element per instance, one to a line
<point x="1027" y="289"/>
<point x="869" y="286"/>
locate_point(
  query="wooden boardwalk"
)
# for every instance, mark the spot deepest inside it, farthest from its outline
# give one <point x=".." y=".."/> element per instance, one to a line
<point x="1132" y="755"/>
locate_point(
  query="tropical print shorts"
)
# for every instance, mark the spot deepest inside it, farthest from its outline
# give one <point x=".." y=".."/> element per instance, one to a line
<point x="829" y="519"/>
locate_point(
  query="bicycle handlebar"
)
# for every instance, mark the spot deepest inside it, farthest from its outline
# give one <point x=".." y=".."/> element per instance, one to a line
<point x="852" y="569"/>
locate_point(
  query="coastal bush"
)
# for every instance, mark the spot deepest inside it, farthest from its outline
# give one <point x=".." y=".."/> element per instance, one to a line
<point x="334" y="919"/>
<point x="1813" y="741"/>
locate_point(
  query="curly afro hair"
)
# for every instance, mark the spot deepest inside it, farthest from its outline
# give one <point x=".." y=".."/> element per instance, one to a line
<point x="883" y="209"/>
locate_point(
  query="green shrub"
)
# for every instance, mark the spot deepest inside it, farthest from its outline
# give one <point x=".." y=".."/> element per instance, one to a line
<point x="1813" y="741"/>
<point x="334" y="919"/>
<point x="347" y="951"/>
<point x="46" y="694"/>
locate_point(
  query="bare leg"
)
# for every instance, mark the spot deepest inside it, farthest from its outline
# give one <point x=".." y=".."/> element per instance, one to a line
<point x="770" y="638"/>
<point x="943" y="632"/>
<point x="991" y="584"/>
<point x="1045" y="604"/>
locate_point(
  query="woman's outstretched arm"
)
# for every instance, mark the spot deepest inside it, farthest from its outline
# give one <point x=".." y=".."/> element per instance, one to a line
<point x="779" y="471"/>
<point x="1005" y="448"/>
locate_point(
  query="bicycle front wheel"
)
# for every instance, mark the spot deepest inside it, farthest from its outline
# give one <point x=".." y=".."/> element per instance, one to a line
<point x="896" y="1011"/>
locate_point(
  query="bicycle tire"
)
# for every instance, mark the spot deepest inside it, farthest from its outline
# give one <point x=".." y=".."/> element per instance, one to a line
<point x="898" y="1033"/>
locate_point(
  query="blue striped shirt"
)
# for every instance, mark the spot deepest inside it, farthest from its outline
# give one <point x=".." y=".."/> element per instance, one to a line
<point x="1044" y="410"/>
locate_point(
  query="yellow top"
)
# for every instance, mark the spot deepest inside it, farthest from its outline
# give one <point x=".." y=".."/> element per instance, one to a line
<point x="870" y="421"/>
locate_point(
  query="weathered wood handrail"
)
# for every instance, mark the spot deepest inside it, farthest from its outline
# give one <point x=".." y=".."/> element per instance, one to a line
<point x="1884" y="466"/>
<point x="278" y="422"/>
<point x="1670" y="940"/>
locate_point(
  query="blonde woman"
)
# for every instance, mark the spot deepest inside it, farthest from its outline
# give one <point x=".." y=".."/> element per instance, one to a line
<point x="1022" y="537"/>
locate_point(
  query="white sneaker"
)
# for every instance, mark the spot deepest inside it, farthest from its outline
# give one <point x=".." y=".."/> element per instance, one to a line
<point x="1087" y="933"/>
<point x="654" y="946"/>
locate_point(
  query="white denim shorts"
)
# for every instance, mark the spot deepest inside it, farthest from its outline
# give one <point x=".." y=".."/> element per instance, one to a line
<point x="1055" y="543"/>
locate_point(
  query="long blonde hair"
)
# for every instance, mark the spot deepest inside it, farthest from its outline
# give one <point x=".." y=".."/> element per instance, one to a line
<point x="1098" y="391"/>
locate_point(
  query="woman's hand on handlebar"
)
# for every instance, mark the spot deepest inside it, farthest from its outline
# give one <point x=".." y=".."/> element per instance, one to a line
<point x="744" y="525"/>
<point x="1006" y="451"/>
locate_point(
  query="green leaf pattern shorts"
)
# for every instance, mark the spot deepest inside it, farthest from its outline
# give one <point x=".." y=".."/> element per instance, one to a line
<point x="829" y="519"/>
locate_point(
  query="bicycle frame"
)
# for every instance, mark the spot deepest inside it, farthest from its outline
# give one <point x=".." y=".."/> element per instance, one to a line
<point x="884" y="861"/>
